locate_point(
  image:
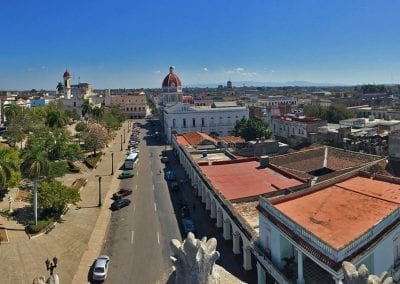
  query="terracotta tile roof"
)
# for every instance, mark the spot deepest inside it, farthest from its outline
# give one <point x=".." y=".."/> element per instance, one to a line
<point x="327" y="213"/>
<point x="194" y="138"/>
<point x="338" y="160"/>
<point x="231" y="139"/>
<point x="238" y="179"/>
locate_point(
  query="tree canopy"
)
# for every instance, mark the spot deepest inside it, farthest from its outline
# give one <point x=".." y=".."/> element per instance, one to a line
<point x="332" y="114"/>
<point x="9" y="167"/>
<point x="95" y="137"/>
<point x="251" y="128"/>
<point x="54" y="196"/>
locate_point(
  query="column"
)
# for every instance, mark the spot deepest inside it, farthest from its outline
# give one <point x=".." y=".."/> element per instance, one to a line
<point x="199" y="190"/>
<point x="247" y="258"/>
<point x="300" y="278"/>
<point x="236" y="243"/>
<point x="219" y="218"/>
<point x="227" y="229"/>
<point x="213" y="214"/>
<point x="208" y="201"/>
<point x="203" y="195"/>
<point x="261" y="276"/>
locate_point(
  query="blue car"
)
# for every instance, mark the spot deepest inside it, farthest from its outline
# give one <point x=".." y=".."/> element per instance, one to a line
<point x="170" y="176"/>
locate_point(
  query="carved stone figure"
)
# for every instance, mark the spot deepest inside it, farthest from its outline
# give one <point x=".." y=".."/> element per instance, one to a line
<point x="362" y="276"/>
<point x="194" y="260"/>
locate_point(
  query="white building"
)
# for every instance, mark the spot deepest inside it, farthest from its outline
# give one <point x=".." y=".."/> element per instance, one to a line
<point x="180" y="117"/>
<point x="354" y="219"/>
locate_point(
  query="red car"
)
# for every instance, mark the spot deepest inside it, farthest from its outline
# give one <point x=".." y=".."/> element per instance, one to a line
<point x="121" y="193"/>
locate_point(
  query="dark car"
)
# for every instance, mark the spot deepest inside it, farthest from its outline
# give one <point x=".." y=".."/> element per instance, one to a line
<point x="122" y="193"/>
<point x="118" y="204"/>
<point x="169" y="175"/>
<point x="185" y="212"/>
<point x="188" y="226"/>
<point x="174" y="186"/>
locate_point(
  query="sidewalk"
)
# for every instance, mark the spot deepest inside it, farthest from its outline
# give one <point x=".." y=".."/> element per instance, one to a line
<point x="77" y="240"/>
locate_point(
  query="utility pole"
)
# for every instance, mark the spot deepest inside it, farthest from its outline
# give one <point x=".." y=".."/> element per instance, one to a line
<point x="112" y="163"/>
<point x="121" y="142"/>
<point x="99" y="191"/>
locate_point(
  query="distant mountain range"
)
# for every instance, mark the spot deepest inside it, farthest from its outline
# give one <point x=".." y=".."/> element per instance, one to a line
<point x="266" y="84"/>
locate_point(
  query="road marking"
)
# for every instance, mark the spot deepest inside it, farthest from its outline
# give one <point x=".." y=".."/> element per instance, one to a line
<point x="158" y="237"/>
<point x="136" y="188"/>
<point x="153" y="186"/>
<point x="132" y="237"/>
<point x="155" y="206"/>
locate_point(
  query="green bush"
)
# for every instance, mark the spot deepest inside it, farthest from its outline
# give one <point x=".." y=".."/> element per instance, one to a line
<point x="40" y="226"/>
<point x="58" y="169"/>
<point x="92" y="160"/>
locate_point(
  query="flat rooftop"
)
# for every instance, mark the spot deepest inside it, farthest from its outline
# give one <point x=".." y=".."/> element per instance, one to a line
<point x="341" y="213"/>
<point x="239" y="179"/>
<point x="249" y="212"/>
<point x="211" y="156"/>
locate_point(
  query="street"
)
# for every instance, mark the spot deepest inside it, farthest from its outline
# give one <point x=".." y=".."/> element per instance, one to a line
<point x="139" y="235"/>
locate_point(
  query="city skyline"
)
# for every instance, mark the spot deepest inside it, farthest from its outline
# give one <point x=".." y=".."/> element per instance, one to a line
<point x="131" y="45"/>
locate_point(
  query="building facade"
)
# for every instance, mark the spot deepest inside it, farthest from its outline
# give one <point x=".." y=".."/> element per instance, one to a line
<point x="133" y="104"/>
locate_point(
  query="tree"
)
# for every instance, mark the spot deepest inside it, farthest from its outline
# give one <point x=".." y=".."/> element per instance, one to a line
<point x="252" y="128"/>
<point x="36" y="165"/>
<point x="54" y="196"/>
<point x="56" y="118"/>
<point x="97" y="113"/>
<point x="95" y="137"/>
<point x="60" y="88"/>
<point x="9" y="167"/>
<point x="86" y="108"/>
<point x="110" y="121"/>
<point x="214" y="134"/>
<point x="80" y="126"/>
<point x="332" y="114"/>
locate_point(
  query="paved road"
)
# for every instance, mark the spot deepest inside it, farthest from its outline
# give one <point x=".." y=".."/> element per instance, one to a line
<point x="139" y="235"/>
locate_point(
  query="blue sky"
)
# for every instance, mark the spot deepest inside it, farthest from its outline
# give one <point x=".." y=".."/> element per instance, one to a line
<point x="131" y="44"/>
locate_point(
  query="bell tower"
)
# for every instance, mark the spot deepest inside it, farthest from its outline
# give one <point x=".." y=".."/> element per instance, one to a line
<point x="67" y="84"/>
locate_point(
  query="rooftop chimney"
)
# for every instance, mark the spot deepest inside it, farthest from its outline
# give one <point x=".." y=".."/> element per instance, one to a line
<point x="264" y="161"/>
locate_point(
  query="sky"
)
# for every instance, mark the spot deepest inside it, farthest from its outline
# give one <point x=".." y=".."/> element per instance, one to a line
<point x="131" y="44"/>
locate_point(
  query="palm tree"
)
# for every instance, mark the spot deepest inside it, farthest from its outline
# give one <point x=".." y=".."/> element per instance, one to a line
<point x="36" y="165"/>
<point x="56" y="118"/>
<point x="86" y="108"/>
<point x="60" y="88"/>
<point x="12" y="111"/>
<point x="98" y="113"/>
<point x="9" y="165"/>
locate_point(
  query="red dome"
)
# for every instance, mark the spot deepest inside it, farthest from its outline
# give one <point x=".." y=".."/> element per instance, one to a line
<point x="171" y="80"/>
<point x="66" y="74"/>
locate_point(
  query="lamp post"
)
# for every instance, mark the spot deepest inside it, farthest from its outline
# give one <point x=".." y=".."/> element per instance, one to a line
<point x="121" y="142"/>
<point x="51" y="265"/>
<point x="124" y="135"/>
<point x="99" y="191"/>
<point x="112" y="163"/>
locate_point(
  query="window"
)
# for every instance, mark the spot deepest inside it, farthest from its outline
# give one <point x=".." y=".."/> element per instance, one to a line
<point x="184" y="122"/>
<point x="193" y="122"/>
<point x="202" y="122"/>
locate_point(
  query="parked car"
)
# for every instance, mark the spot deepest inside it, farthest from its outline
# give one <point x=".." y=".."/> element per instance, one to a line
<point x="122" y="193"/>
<point x="126" y="174"/>
<point x="118" y="204"/>
<point x="188" y="226"/>
<point x="185" y="212"/>
<point x="164" y="159"/>
<point x="169" y="175"/>
<point x="100" y="268"/>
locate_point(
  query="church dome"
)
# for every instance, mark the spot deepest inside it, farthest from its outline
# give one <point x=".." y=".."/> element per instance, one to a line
<point x="66" y="74"/>
<point x="171" y="80"/>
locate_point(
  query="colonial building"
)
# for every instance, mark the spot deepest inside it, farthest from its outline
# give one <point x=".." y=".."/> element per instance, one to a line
<point x="296" y="130"/>
<point x="180" y="117"/>
<point x="134" y="104"/>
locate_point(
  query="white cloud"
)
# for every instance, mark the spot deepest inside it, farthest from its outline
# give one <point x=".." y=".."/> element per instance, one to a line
<point x="242" y="72"/>
<point x="157" y="72"/>
<point x="205" y="69"/>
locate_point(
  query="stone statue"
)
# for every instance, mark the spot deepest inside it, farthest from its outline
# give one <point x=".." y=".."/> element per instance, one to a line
<point x="362" y="276"/>
<point x="194" y="260"/>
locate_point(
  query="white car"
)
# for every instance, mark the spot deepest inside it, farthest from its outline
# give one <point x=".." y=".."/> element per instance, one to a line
<point x="100" y="268"/>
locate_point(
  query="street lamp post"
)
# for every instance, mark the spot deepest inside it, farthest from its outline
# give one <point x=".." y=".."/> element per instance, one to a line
<point x="121" y="142"/>
<point x="99" y="191"/>
<point x="124" y="135"/>
<point x="51" y="265"/>
<point x="112" y="163"/>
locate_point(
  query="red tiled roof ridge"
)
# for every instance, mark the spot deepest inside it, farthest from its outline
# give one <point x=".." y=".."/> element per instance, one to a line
<point x="195" y="138"/>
